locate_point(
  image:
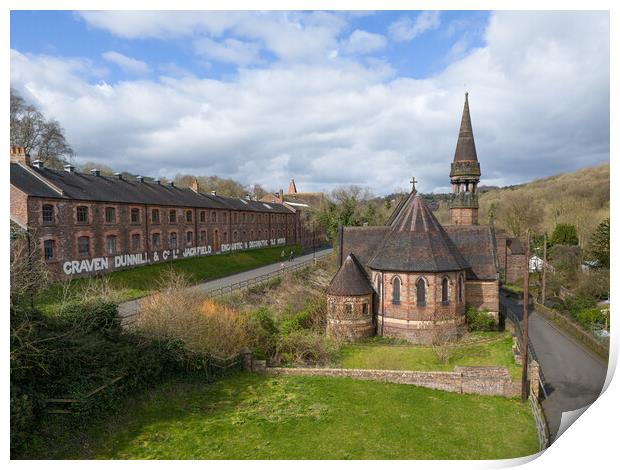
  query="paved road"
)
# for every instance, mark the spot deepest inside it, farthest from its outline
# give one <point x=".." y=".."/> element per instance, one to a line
<point x="131" y="307"/>
<point x="574" y="375"/>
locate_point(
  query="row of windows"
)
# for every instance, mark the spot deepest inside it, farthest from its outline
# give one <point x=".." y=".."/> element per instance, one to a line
<point x="112" y="246"/>
<point x="421" y="290"/>
<point x="82" y="215"/>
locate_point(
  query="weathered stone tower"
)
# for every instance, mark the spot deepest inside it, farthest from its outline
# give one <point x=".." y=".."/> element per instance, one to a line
<point x="465" y="175"/>
<point x="349" y="302"/>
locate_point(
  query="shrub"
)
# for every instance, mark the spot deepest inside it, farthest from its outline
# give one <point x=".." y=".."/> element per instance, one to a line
<point x="203" y="325"/>
<point x="91" y="315"/>
<point x="590" y="318"/>
<point x="306" y="347"/>
<point x="262" y="332"/>
<point x="479" y="320"/>
<point x="564" y="234"/>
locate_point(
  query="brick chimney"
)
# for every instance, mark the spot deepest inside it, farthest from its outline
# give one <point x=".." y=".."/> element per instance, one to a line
<point x="19" y="155"/>
<point x="195" y="186"/>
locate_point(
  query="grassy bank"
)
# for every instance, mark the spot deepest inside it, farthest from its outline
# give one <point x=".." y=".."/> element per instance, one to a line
<point x="140" y="281"/>
<point x="261" y="417"/>
<point x="476" y="349"/>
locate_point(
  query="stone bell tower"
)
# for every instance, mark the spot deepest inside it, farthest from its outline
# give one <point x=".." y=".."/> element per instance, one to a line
<point x="465" y="175"/>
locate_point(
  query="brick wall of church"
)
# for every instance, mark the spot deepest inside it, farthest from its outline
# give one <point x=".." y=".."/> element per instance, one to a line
<point x="464" y="216"/>
<point x="516" y="264"/>
<point x="356" y="321"/>
<point x="483" y="294"/>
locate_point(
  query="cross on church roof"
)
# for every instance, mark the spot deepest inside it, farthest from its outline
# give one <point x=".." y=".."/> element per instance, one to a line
<point x="413" y="182"/>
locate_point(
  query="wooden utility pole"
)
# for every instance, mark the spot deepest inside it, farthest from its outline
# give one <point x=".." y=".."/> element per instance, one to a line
<point x="544" y="273"/>
<point x="526" y="301"/>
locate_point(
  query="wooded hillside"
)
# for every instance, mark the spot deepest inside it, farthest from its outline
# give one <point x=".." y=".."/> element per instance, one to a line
<point x="580" y="198"/>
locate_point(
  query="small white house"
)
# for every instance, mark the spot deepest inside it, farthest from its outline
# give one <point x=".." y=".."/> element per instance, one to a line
<point x="536" y="265"/>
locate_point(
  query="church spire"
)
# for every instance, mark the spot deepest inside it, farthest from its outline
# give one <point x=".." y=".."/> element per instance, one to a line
<point x="465" y="174"/>
<point x="465" y="145"/>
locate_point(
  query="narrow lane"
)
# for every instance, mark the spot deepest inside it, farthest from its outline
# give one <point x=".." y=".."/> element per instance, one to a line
<point x="574" y="375"/>
<point x="131" y="307"/>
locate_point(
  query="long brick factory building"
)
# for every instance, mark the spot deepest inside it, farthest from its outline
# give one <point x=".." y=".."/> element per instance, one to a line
<point x="86" y="224"/>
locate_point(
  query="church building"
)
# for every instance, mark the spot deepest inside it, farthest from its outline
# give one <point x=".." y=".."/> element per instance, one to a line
<point x="413" y="277"/>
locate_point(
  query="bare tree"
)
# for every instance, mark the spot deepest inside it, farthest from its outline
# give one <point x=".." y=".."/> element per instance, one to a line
<point x="41" y="137"/>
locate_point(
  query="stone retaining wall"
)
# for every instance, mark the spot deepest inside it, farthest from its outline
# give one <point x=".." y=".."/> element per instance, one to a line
<point x="480" y="380"/>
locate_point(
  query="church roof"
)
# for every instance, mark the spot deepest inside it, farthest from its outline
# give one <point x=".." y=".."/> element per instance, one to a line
<point x="476" y="244"/>
<point x="465" y="145"/>
<point x="351" y="279"/>
<point x="416" y="242"/>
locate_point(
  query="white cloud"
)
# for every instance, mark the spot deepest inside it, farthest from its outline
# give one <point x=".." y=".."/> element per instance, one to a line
<point x="363" y="42"/>
<point x="406" y="29"/>
<point x="539" y="98"/>
<point x="229" y="50"/>
<point x="128" y="64"/>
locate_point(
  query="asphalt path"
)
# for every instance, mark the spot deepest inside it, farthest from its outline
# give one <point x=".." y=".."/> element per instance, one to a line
<point x="129" y="308"/>
<point x="574" y="375"/>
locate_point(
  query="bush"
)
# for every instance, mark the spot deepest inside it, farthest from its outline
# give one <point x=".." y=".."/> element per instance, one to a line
<point x="590" y="318"/>
<point x="262" y="333"/>
<point x="91" y="315"/>
<point x="307" y="347"/>
<point x="74" y="353"/>
<point x="479" y="320"/>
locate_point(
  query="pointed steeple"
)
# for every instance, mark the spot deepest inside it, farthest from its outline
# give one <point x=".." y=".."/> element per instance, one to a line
<point x="292" y="189"/>
<point x="465" y="174"/>
<point x="465" y="145"/>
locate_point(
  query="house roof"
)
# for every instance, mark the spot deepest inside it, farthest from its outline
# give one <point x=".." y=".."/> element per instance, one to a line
<point x="351" y="279"/>
<point x="88" y="187"/>
<point x="416" y="242"/>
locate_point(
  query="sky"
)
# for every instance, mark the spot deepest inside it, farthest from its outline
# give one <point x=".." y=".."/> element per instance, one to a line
<point x="329" y="98"/>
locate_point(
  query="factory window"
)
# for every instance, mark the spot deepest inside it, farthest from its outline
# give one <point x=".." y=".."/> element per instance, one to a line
<point x="203" y="216"/>
<point x="189" y="238"/>
<point x="110" y="215"/>
<point x="83" y="246"/>
<point x="48" y="213"/>
<point x="82" y="214"/>
<point x="135" y="215"/>
<point x="155" y="216"/>
<point x="135" y="242"/>
<point x="203" y="237"/>
<point x="110" y="242"/>
<point x="173" y="240"/>
<point x="188" y="216"/>
<point x="48" y="249"/>
<point x="172" y="216"/>
<point x="156" y="241"/>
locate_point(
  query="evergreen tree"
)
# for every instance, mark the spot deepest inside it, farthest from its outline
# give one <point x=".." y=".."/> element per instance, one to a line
<point x="599" y="243"/>
<point x="564" y="234"/>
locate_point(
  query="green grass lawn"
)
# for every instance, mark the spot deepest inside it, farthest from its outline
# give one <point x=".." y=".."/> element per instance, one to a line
<point x="252" y="416"/>
<point x="477" y="349"/>
<point x="138" y="282"/>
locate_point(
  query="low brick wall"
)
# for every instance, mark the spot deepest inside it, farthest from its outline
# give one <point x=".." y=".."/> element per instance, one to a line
<point x="575" y="330"/>
<point x="480" y="380"/>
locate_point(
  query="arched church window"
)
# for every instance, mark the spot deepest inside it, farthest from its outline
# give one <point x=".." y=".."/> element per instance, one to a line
<point x="444" y="291"/>
<point x="461" y="289"/>
<point x="421" y="292"/>
<point x="396" y="290"/>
